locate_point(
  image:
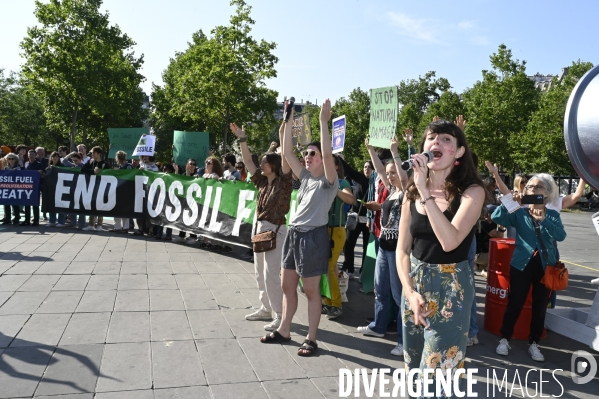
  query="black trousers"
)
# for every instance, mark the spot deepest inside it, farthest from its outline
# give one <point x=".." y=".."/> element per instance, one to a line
<point x="520" y="282"/>
<point x="36" y="213"/>
<point x="350" y="245"/>
<point x="15" y="210"/>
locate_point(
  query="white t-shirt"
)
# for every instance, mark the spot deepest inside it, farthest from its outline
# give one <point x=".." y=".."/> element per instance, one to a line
<point x="314" y="197"/>
<point x="228" y="175"/>
<point x="557" y="205"/>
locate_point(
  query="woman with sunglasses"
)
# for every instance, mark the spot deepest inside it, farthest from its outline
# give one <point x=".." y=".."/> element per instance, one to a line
<point x="243" y="171"/>
<point x="306" y="248"/>
<point x="537" y="228"/>
<point x="214" y="169"/>
<point x="443" y="204"/>
<point x="273" y="181"/>
<point x="11" y="163"/>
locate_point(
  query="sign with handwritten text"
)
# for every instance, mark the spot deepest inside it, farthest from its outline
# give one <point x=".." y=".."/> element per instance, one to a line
<point x="190" y="145"/>
<point x="383" y="116"/>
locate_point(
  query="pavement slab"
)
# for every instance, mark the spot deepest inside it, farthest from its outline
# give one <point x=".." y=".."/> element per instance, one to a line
<point x="251" y="390"/>
<point x="12" y="282"/>
<point x="129" y="327"/>
<point x="42" y="329"/>
<point x="23" y="303"/>
<point x="21" y="369"/>
<point x="166" y="300"/>
<point x="227" y="362"/>
<point x="206" y="324"/>
<point x="39" y="283"/>
<point x="10" y="327"/>
<point x="170" y="326"/>
<point x="176" y="364"/>
<point x="183" y="393"/>
<point x="132" y="301"/>
<point x="60" y="302"/>
<point x="86" y="328"/>
<point x="97" y="301"/>
<point x="102" y="282"/>
<point x="125" y="367"/>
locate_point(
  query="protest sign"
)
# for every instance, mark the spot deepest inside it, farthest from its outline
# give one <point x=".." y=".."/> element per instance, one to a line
<point x="190" y="145"/>
<point x="223" y="210"/>
<point x="338" y="134"/>
<point x="301" y="129"/>
<point x="125" y="139"/>
<point x="19" y="187"/>
<point x="145" y="146"/>
<point x="383" y="116"/>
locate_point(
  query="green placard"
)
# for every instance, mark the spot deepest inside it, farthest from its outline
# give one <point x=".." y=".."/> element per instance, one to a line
<point x="125" y="139"/>
<point x="383" y="116"/>
<point x="190" y="145"/>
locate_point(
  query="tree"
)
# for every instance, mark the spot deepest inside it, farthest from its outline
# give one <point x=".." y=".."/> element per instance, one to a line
<point x="79" y="65"/>
<point x="356" y="108"/>
<point x="545" y="133"/>
<point x="416" y="95"/>
<point x="499" y="108"/>
<point x="22" y="118"/>
<point x="218" y="80"/>
<point x="448" y="107"/>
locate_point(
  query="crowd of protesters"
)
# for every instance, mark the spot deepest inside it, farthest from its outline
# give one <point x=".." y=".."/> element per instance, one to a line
<point x="431" y="229"/>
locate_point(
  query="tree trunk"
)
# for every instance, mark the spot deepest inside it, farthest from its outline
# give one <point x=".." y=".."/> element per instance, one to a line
<point x="74" y="129"/>
<point x="225" y="134"/>
<point x="84" y="136"/>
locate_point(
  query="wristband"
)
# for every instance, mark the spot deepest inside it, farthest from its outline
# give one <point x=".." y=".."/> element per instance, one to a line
<point x="423" y="201"/>
<point x="243" y="139"/>
<point x="501" y="230"/>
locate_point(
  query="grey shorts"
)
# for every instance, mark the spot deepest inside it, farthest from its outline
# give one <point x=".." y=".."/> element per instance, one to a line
<point x="307" y="252"/>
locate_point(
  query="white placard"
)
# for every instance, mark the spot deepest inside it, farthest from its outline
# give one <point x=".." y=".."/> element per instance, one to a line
<point x="146" y="145"/>
<point x="511" y="205"/>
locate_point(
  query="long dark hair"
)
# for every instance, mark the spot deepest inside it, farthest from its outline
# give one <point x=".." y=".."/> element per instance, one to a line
<point x="216" y="165"/>
<point x="339" y="165"/>
<point x="274" y="160"/>
<point x="462" y="176"/>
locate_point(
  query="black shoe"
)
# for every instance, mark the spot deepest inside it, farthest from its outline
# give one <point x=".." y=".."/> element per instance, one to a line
<point x="6" y="221"/>
<point x="36" y="223"/>
<point x="25" y="223"/>
<point x="15" y="222"/>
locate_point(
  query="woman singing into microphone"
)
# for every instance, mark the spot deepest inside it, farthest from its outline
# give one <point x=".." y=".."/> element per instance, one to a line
<point x="443" y="204"/>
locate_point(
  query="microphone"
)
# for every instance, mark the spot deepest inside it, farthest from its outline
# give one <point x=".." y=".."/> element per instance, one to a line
<point x="288" y="109"/>
<point x="409" y="164"/>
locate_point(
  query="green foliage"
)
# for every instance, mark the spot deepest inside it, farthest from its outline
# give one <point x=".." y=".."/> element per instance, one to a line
<point x="543" y="148"/>
<point x="218" y="80"/>
<point x="22" y="119"/>
<point x="416" y="96"/>
<point x="499" y="108"/>
<point x="356" y="108"/>
<point x="83" y="70"/>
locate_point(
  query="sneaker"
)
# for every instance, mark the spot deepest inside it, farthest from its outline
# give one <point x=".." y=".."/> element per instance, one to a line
<point x="350" y="275"/>
<point x="59" y="225"/>
<point x="483" y="273"/>
<point x="367" y="331"/>
<point x="398" y="350"/>
<point x="98" y="228"/>
<point x="177" y="239"/>
<point x="334" y="312"/>
<point x="272" y="326"/>
<point x="325" y="309"/>
<point x="535" y="352"/>
<point x="472" y="341"/>
<point x="51" y="224"/>
<point x="89" y="228"/>
<point x="503" y="348"/>
<point x="260" y="315"/>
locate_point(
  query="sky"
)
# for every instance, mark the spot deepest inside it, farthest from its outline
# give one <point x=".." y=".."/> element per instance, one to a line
<point x="327" y="48"/>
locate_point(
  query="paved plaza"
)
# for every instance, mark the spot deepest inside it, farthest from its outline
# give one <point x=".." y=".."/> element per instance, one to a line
<point x="99" y="315"/>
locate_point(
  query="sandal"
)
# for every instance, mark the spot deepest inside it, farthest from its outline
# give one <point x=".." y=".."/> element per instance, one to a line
<point x="274" y="336"/>
<point x="308" y="348"/>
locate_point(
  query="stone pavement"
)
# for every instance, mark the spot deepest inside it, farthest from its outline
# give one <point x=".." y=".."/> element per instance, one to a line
<point x="96" y="315"/>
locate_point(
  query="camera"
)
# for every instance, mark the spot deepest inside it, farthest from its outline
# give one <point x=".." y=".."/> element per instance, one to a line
<point x="533" y="199"/>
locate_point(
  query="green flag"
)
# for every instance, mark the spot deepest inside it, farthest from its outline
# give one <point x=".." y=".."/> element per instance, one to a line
<point x="383" y="116"/>
<point x="190" y="145"/>
<point x="367" y="272"/>
<point x="125" y="139"/>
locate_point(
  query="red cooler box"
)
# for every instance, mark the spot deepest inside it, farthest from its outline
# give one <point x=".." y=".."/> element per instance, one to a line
<point x="498" y="282"/>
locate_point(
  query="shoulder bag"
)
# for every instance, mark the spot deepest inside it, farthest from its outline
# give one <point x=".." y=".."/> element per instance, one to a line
<point x="556" y="276"/>
<point x="265" y="241"/>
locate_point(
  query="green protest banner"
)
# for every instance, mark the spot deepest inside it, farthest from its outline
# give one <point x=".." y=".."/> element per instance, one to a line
<point x="383" y="116"/>
<point x="125" y="139"/>
<point x="190" y="145"/>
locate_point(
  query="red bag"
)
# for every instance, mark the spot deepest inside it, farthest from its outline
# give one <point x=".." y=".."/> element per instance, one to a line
<point x="556" y="277"/>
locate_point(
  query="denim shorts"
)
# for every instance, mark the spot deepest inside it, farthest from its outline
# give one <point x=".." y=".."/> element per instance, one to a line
<point x="307" y="252"/>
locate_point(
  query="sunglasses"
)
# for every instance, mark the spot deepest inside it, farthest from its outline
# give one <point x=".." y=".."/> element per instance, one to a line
<point x="208" y="163"/>
<point x="534" y="187"/>
<point x="192" y="164"/>
<point x="239" y="167"/>
<point x="55" y="156"/>
<point x="310" y="153"/>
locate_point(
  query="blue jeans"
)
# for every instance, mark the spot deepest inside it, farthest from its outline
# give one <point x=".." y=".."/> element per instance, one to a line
<point x="386" y="286"/>
<point x="61" y="217"/>
<point x="473" y="330"/>
<point x="74" y="217"/>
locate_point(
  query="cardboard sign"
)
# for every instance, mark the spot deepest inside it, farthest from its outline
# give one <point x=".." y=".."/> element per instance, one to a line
<point x="145" y="146"/>
<point x="383" y="116"/>
<point x="125" y="139"/>
<point x="338" y="134"/>
<point x="190" y="145"/>
<point x="301" y="129"/>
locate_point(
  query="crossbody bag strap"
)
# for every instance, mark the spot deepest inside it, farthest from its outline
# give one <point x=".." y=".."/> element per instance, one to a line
<point x="538" y="232"/>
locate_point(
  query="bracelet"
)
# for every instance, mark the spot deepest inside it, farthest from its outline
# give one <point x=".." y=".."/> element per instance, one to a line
<point x="242" y="139"/>
<point x="423" y="201"/>
<point x="501" y="230"/>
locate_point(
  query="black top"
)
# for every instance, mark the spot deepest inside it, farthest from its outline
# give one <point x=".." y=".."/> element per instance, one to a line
<point x="390" y="223"/>
<point x="426" y="246"/>
<point x="482" y="238"/>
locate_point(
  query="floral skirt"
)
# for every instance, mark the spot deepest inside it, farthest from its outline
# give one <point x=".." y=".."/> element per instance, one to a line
<point x="448" y="291"/>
